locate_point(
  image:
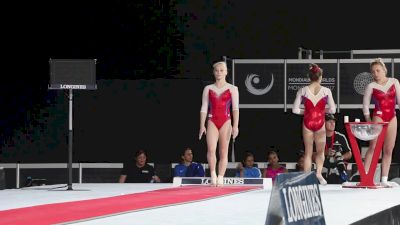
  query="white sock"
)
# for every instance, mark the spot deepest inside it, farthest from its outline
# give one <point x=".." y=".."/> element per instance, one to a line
<point x="384" y="179"/>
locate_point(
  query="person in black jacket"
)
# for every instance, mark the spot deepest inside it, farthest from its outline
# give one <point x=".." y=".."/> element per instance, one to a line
<point x="138" y="171"/>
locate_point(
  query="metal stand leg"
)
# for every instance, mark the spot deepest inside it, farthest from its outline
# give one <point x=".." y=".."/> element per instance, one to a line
<point x="70" y="134"/>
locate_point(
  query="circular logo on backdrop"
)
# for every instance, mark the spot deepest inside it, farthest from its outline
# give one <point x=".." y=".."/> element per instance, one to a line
<point x="254" y="79"/>
<point x="361" y="81"/>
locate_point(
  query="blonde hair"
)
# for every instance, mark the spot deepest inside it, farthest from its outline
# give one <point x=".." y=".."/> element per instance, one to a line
<point x="220" y="63"/>
<point x="378" y="61"/>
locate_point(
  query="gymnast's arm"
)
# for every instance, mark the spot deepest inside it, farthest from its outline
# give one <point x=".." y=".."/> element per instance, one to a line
<point x="366" y="102"/>
<point x="235" y="112"/>
<point x="203" y="112"/>
<point x="296" y="105"/>
<point x="331" y="103"/>
<point x="397" y="86"/>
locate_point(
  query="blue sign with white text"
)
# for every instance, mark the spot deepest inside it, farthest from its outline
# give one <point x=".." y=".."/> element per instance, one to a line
<point x="295" y="199"/>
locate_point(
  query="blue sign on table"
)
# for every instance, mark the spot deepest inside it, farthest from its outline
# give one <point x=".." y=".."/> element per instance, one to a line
<point x="295" y="199"/>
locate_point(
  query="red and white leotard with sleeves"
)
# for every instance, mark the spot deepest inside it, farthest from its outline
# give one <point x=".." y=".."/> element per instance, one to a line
<point x="384" y="97"/>
<point x="314" y="106"/>
<point x="218" y="102"/>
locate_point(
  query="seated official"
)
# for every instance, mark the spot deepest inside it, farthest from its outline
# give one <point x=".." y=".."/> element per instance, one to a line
<point x="138" y="171"/>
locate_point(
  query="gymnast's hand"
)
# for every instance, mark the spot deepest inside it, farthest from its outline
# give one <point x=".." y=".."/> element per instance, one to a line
<point x="235" y="132"/>
<point x="202" y="130"/>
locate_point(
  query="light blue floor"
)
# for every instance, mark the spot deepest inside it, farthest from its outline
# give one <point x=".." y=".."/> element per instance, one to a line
<point x="341" y="205"/>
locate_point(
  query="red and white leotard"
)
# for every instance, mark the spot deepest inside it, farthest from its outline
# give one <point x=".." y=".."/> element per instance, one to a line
<point x="384" y="98"/>
<point x="218" y="102"/>
<point x="314" y="106"/>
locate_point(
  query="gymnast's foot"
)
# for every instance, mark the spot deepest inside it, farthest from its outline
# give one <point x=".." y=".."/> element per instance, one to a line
<point x="220" y="181"/>
<point x="386" y="184"/>
<point x="321" y="179"/>
<point x="213" y="179"/>
<point x="389" y="184"/>
<point x="384" y="181"/>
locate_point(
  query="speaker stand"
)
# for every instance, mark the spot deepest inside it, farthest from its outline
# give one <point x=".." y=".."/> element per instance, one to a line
<point x="70" y="135"/>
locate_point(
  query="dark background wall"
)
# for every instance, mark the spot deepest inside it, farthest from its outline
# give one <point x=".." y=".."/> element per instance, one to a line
<point x="158" y="115"/>
<point x="154" y="57"/>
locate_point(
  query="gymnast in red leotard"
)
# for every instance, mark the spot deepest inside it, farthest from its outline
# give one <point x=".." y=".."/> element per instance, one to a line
<point x="384" y="91"/>
<point x="315" y="98"/>
<point x="219" y="107"/>
<point x="217" y="101"/>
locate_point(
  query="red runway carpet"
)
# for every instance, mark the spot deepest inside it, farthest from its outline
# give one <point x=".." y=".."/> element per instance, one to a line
<point x="79" y="210"/>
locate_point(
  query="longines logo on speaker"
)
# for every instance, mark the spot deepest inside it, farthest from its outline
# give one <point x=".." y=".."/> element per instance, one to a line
<point x="67" y="86"/>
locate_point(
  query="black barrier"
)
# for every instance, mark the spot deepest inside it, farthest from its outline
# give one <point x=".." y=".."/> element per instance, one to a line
<point x="260" y="82"/>
<point x="295" y="200"/>
<point x="2" y="179"/>
<point x="396" y="69"/>
<point x="355" y="76"/>
<point x="274" y="83"/>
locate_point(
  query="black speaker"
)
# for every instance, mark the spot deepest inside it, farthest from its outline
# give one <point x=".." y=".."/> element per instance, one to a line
<point x="2" y="179"/>
<point x="73" y="74"/>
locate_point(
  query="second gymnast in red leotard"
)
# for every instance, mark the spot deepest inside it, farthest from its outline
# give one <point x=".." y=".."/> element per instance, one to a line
<point x="217" y="101"/>
<point x="315" y="98"/>
<point x="384" y="92"/>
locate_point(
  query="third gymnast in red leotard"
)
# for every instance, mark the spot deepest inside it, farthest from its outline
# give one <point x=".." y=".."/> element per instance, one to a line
<point x="314" y="97"/>
<point x="384" y="91"/>
<point x="218" y="99"/>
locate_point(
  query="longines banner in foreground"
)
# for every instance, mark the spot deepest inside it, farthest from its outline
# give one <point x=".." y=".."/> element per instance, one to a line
<point x="260" y="82"/>
<point x="295" y="200"/>
<point x="274" y="83"/>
